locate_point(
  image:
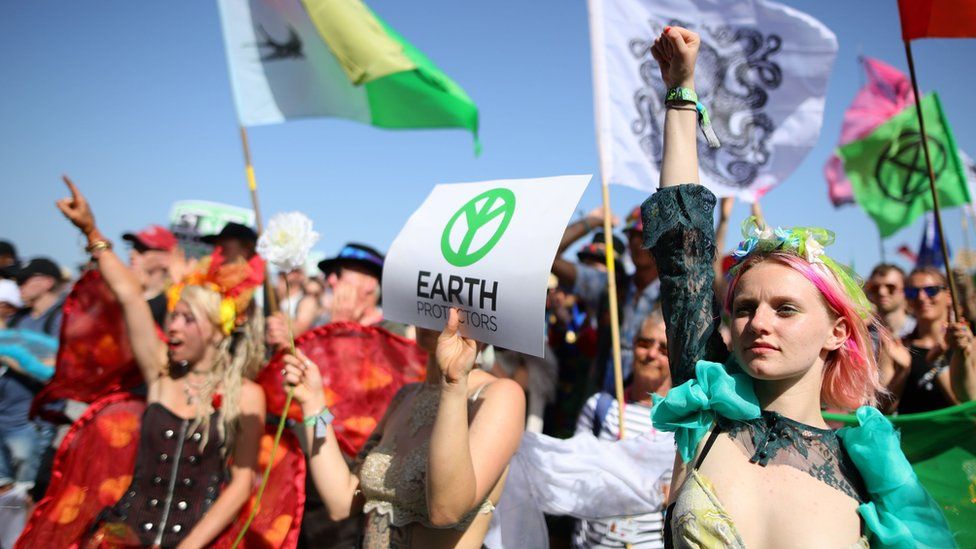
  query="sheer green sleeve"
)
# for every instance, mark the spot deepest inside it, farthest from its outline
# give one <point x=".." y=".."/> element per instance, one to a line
<point x="679" y="231"/>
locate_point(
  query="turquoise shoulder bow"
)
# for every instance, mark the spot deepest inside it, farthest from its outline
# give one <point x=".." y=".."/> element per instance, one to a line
<point x="901" y="513"/>
<point x="689" y="409"/>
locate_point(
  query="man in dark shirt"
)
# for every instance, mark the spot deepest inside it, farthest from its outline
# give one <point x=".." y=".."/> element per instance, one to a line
<point x="24" y="441"/>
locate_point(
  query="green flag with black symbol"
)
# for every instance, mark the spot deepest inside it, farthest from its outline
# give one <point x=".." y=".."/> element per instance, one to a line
<point x="888" y="172"/>
<point x="941" y="446"/>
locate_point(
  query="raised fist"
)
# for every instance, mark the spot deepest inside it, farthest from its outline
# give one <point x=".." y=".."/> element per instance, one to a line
<point x="676" y="51"/>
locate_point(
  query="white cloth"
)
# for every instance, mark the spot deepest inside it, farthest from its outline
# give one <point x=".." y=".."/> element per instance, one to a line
<point x="582" y="477"/>
<point x="13" y="514"/>
<point x="762" y="73"/>
<point x="10" y="293"/>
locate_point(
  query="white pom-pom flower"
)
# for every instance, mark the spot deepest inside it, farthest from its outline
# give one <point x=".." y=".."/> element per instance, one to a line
<point x="287" y="240"/>
<point x="813" y="250"/>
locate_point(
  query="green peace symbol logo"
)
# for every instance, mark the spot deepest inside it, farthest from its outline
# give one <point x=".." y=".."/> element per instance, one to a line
<point x="478" y="213"/>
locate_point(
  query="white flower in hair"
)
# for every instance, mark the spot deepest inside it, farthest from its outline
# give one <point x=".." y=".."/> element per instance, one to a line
<point x="812" y="250"/>
<point x="287" y="240"/>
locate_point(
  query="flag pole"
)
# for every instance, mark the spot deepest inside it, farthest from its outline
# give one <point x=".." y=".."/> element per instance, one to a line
<point x="618" y="377"/>
<point x="881" y="247"/>
<point x="935" y="195"/>
<point x="601" y="90"/>
<point x="271" y="300"/>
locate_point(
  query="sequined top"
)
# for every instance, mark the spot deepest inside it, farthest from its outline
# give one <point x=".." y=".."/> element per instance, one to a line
<point x="395" y="483"/>
<point x="678" y="230"/>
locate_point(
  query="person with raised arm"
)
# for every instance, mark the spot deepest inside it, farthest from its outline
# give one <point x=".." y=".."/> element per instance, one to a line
<point x="757" y="465"/>
<point x="434" y="468"/>
<point x="199" y="437"/>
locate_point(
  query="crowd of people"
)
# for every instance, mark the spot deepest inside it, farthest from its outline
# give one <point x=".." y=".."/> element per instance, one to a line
<point x="728" y="362"/>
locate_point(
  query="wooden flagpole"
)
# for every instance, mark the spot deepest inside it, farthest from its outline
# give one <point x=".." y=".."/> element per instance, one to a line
<point x="935" y="195"/>
<point x="270" y="299"/>
<point x="618" y="377"/>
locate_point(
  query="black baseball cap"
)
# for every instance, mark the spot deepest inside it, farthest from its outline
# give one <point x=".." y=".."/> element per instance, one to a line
<point x="7" y="248"/>
<point x="38" y="266"/>
<point x="232" y="230"/>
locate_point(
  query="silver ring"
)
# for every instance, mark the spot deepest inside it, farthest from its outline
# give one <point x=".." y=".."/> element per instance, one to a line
<point x="283" y="372"/>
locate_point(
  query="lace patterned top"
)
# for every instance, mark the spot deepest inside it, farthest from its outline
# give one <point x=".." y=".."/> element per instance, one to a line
<point x="774" y="439"/>
<point x="395" y="483"/>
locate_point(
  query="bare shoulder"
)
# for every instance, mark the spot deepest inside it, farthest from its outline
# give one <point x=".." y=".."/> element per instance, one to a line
<point x="496" y="389"/>
<point x="252" y="397"/>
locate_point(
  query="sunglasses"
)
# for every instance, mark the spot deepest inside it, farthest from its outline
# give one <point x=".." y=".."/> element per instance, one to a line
<point x="913" y="292"/>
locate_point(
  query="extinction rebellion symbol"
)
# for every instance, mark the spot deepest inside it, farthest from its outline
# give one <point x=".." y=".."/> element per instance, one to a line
<point x="901" y="172"/>
<point x="475" y="229"/>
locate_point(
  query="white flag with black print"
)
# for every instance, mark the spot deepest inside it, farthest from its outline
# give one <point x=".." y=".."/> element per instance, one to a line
<point x="762" y="73"/>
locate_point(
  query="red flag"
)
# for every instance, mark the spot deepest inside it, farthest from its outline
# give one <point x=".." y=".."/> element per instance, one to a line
<point x="362" y="368"/>
<point x="937" y="18"/>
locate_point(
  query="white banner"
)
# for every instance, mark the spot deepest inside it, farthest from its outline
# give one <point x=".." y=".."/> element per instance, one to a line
<point x="191" y="219"/>
<point x="485" y="248"/>
<point x="280" y="68"/>
<point x="762" y="73"/>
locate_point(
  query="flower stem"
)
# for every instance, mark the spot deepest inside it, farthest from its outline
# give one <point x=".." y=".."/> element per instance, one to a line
<point x="277" y="439"/>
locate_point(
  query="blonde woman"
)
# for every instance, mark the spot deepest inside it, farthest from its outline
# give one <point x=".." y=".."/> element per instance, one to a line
<point x="198" y="446"/>
<point x="434" y="468"/>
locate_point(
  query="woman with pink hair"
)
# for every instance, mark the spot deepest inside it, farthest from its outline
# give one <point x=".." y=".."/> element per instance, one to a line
<point x="757" y="465"/>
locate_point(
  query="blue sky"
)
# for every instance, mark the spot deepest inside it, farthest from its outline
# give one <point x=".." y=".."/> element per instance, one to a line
<point x="132" y="99"/>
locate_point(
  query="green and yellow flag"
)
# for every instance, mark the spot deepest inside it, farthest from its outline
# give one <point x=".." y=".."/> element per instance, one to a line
<point x="294" y="59"/>
<point x="888" y="173"/>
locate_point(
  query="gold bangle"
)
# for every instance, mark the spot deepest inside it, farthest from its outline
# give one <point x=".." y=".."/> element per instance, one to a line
<point x="98" y="246"/>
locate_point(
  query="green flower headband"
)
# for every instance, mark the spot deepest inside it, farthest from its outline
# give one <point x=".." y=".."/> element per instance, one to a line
<point x="805" y="242"/>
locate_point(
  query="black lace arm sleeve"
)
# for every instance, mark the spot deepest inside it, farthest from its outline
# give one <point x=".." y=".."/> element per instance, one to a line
<point x="679" y="231"/>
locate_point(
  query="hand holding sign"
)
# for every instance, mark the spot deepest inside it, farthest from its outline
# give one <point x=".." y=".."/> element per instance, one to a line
<point x="455" y="353"/>
<point x="484" y="249"/>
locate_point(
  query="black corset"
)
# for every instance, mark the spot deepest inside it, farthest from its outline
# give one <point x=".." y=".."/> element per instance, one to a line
<point x="174" y="482"/>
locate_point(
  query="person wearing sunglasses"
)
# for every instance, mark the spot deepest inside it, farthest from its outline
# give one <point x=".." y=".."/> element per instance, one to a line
<point x="885" y="289"/>
<point x="941" y="371"/>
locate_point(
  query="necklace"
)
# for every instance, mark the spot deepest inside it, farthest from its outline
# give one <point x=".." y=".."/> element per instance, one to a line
<point x="196" y="390"/>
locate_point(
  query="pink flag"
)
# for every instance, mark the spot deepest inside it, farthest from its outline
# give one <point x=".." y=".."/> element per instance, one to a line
<point x="885" y="94"/>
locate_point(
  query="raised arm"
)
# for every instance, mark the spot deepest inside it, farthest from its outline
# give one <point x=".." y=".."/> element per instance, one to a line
<point x="149" y="351"/>
<point x="565" y="270"/>
<point x="678" y="225"/>
<point x="466" y="462"/>
<point x="334" y="481"/>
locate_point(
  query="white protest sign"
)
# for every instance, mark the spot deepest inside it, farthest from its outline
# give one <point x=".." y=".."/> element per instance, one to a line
<point x="485" y="248"/>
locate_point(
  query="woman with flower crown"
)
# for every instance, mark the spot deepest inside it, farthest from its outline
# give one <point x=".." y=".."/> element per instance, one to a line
<point x="199" y="437"/>
<point x="757" y="465"/>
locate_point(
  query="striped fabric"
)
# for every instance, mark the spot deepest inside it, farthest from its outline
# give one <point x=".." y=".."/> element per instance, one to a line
<point x="637" y="421"/>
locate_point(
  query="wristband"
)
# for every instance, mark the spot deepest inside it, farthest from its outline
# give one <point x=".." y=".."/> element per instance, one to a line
<point x="98" y="246"/>
<point x="678" y="94"/>
<point x="321" y="421"/>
